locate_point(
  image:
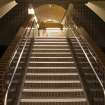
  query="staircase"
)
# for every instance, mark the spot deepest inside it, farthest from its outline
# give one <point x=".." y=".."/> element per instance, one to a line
<point x="91" y="83"/>
<point x="52" y="76"/>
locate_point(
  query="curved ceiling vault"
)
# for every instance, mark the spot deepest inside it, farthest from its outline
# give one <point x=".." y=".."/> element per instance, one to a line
<point x="50" y="13"/>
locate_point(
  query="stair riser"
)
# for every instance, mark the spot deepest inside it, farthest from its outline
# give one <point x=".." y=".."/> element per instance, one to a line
<point x="50" y="55"/>
<point x="51" y="65"/>
<point x="51" y="71"/>
<point x="53" y="85"/>
<point x="52" y="77"/>
<point x="55" y="103"/>
<point x="53" y="95"/>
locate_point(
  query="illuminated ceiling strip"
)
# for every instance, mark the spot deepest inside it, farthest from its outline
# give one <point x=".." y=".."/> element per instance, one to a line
<point x="6" y="8"/>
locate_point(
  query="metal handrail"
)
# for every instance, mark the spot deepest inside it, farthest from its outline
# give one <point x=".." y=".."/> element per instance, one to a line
<point x="17" y="47"/>
<point x="93" y="54"/>
<point x="11" y="80"/>
<point x="91" y="50"/>
<point x="98" y="78"/>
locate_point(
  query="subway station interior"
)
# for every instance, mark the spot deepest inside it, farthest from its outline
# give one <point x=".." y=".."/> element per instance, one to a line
<point x="52" y="52"/>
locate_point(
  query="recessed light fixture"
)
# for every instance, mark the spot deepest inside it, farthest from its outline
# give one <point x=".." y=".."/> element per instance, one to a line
<point x="50" y="5"/>
<point x="31" y="11"/>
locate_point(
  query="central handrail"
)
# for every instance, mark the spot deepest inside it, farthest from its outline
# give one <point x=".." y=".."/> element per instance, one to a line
<point x="98" y="78"/>
<point x="12" y="77"/>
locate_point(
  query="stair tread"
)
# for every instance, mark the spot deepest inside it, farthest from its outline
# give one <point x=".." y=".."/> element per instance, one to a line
<point x="52" y="90"/>
<point x="52" y="67"/>
<point x="52" y="74"/>
<point x="51" y="81"/>
<point x="55" y="100"/>
<point x="52" y="77"/>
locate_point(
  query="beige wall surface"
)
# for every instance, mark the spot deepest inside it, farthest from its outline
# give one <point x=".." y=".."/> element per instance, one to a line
<point x="98" y="7"/>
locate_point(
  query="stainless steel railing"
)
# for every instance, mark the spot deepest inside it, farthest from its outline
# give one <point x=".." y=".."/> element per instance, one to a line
<point x="18" y="45"/>
<point x="18" y="61"/>
<point x="89" y="61"/>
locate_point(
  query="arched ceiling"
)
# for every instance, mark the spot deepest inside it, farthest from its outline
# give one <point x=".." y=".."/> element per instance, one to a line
<point x="50" y="13"/>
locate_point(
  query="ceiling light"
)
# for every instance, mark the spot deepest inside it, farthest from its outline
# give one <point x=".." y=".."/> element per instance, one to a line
<point x="50" y="5"/>
<point x="31" y="11"/>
